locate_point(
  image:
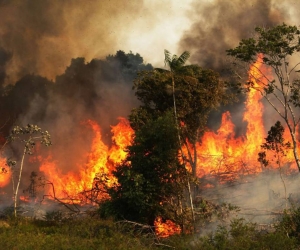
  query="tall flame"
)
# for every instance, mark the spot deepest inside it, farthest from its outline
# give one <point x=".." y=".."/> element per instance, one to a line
<point x="223" y="152"/>
<point x="100" y="164"/>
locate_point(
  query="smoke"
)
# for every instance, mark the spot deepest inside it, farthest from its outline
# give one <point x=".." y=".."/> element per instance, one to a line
<point x="220" y="25"/>
<point x="42" y="36"/>
<point x="259" y="199"/>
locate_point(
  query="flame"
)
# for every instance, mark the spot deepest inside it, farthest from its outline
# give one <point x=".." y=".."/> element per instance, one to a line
<point x="89" y="178"/>
<point x="5" y="173"/>
<point x="222" y="152"/>
<point x="24" y="198"/>
<point x="165" y="229"/>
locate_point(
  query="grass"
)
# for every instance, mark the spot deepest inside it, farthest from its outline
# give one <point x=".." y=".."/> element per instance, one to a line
<point x="72" y="234"/>
<point x="94" y="233"/>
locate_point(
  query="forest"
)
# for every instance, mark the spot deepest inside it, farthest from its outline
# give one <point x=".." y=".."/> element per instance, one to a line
<point x="115" y="153"/>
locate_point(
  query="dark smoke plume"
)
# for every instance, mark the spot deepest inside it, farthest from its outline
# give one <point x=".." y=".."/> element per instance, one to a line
<point x="220" y="25"/>
<point x="42" y="36"/>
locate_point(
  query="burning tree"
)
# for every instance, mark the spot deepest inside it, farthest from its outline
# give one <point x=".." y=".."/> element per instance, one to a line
<point x="27" y="135"/>
<point x="276" y="48"/>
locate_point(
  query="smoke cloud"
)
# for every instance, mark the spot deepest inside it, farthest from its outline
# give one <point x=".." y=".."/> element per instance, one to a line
<point x="220" y="25"/>
<point x="43" y="36"/>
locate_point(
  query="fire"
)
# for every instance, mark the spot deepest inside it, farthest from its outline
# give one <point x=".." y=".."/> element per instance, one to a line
<point x="224" y="153"/>
<point x="5" y="173"/>
<point x="24" y="198"/>
<point x="165" y="229"/>
<point x="97" y="171"/>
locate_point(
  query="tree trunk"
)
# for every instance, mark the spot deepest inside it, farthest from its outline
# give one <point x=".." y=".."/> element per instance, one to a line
<point x="18" y="184"/>
<point x="180" y="145"/>
<point x="295" y="150"/>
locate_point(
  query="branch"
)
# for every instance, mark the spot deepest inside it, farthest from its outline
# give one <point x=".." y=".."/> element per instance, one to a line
<point x="292" y="69"/>
<point x="58" y="200"/>
<point x="269" y="101"/>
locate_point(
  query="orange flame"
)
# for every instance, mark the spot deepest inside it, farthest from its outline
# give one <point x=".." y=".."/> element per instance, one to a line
<point x="98" y="169"/>
<point x="5" y="173"/>
<point x="223" y="152"/>
<point x="24" y="198"/>
<point x="165" y="229"/>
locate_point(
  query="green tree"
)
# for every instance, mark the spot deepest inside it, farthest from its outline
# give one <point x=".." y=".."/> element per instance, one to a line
<point x="27" y="135"/>
<point x="151" y="179"/>
<point x="197" y="92"/>
<point x="277" y="48"/>
<point x="175" y="64"/>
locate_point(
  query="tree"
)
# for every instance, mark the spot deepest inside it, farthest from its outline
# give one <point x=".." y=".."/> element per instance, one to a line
<point x="277" y="49"/>
<point x="27" y="135"/>
<point x="175" y="64"/>
<point x="151" y="178"/>
<point x="198" y="91"/>
<point x="275" y="143"/>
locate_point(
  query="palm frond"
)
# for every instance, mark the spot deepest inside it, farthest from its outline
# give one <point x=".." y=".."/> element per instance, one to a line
<point x="167" y="57"/>
<point x="174" y="62"/>
<point x="183" y="58"/>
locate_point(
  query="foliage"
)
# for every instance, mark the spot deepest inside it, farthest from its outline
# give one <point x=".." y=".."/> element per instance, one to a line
<point x="275" y="44"/>
<point x="290" y="223"/>
<point x="276" y="48"/>
<point x="197" y="92"/>
<point x="174" y="62"/>
<point x="42" y="136"/>
<point x="130" y="63"/>
<point x="89" y="86"/>
<point x="151" y="178"/>
<point x="241" y="235"/>
<point x="276" y="143"/>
